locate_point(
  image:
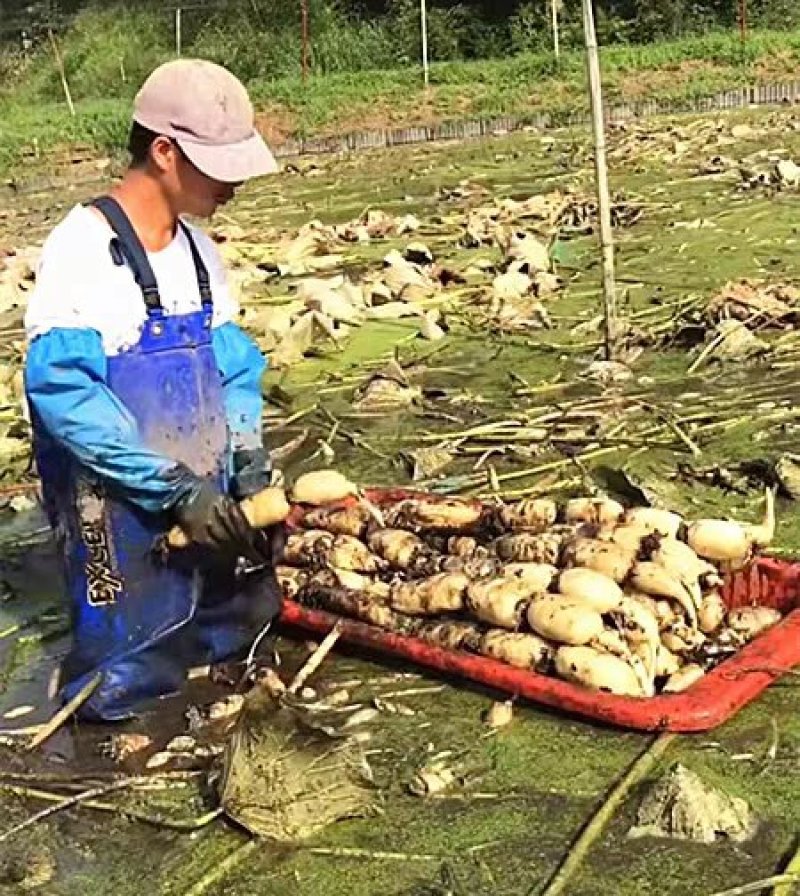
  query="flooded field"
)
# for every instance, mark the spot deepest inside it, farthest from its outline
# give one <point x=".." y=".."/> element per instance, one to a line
<point x="490" y="393"/>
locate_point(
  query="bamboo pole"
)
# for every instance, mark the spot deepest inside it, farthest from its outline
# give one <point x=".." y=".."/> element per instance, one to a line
<point x="554" y="6"/>
<point x="426" y="69"/>
<point x="178" y="31"/>
<point x="305" y="38"/>
<point x="62" y="72"/>
<point x="601" y="173"/>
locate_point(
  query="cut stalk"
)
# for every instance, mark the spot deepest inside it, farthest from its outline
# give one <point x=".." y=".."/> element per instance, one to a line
<point x="316" y="659"/>
<point x="65" y="713"/>
<point x="757" y="886"/>
<point x="188" y="826"/>
<point x="219" y="870"/>
<point x="67" y="803"/>
<point x="593" y="830"/>
<point x="785" y="888"/>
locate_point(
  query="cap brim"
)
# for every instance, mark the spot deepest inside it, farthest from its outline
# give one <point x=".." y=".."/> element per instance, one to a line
<point x="233" y="162"/>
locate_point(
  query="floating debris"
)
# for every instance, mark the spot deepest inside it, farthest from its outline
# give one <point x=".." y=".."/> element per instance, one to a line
<point x="19" y="712"/>
<point x="757" y="304"/>
<point x="167" y="760"/>
<point x="500" y="715"/>
<point x="787" y="470"/>
<point x="181" y="744"/>
<point x="732" y="342"/>
<point x="783" y="174"/>
<point x="387" y="389"/>
<point x="121" y="747"/>
<point x="27" y="867"/>
<point x="683" y="807"/>
<point x="432" y="779"/>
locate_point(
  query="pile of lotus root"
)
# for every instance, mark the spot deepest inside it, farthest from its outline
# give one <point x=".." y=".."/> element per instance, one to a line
<point x="622" y="601"/>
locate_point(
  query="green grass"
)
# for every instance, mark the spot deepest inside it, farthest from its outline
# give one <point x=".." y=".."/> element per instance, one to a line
<point x="36" y="121"/>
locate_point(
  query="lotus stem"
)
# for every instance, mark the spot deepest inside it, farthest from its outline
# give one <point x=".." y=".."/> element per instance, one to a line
<point x="594" y="829"/>
<point x="66" y="711"/>
<point x="219" y="870"/>
<point x="555" y="465"/>
<point x="792" y="872"/>
<point x="316" y="659"/>
<point x="758" y="885"/>
<point x="158" y="821"/>
<point x="344" y="852"/>
<point x="67" y="803"/>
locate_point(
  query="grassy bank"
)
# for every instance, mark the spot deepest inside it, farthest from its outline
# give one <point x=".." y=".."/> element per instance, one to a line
<point x="35" y="120"/>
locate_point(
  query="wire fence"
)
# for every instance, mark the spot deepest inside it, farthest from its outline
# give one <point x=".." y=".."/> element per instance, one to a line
<point x="754" y="96"/>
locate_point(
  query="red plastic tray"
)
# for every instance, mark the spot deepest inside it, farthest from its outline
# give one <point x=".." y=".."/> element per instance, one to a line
<point x="707" y="704"/>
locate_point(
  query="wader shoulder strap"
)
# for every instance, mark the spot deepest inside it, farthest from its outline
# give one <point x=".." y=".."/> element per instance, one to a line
<point x="203" y="280"/>
<point x="128" y="245"/>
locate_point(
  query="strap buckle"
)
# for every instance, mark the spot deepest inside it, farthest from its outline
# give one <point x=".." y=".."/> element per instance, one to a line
<point x="127" y="248"/>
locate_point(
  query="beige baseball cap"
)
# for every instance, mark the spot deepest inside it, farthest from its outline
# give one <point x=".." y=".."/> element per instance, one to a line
<point x="207" y="111"/>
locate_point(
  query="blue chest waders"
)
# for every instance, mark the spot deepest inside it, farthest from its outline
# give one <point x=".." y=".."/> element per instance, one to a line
<point x="138" y="620"/>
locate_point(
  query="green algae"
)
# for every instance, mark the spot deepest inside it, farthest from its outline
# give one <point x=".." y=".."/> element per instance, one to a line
<point x="531" y="787"/>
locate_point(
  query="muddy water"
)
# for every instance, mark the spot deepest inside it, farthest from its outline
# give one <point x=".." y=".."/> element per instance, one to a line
<point x="529" y="788"/>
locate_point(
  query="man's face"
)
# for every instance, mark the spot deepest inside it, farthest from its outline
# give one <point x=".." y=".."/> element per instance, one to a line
<point x="189" y="191"/>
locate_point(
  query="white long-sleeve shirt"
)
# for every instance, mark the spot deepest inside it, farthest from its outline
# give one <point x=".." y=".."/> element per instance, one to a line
<point x="78" y="285"/>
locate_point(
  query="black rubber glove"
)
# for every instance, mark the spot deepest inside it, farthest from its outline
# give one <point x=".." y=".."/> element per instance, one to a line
<point x="275" y="537"/>
<point x="267" y="549"/>
<point x="251" y="472"/>
<point x="213" y="520"/>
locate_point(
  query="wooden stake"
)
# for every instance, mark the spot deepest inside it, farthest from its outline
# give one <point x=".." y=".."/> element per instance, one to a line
<point x="554" y="6"/>
<point x="743" y="26"/>
<point x="62" y="72"/>
<point x="601" y="172"/>
<point x="426" y="69"/>
<point x="305" y="29"/>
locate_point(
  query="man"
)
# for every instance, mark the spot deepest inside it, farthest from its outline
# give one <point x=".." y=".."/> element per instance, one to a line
<point x="146" y="403"/>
